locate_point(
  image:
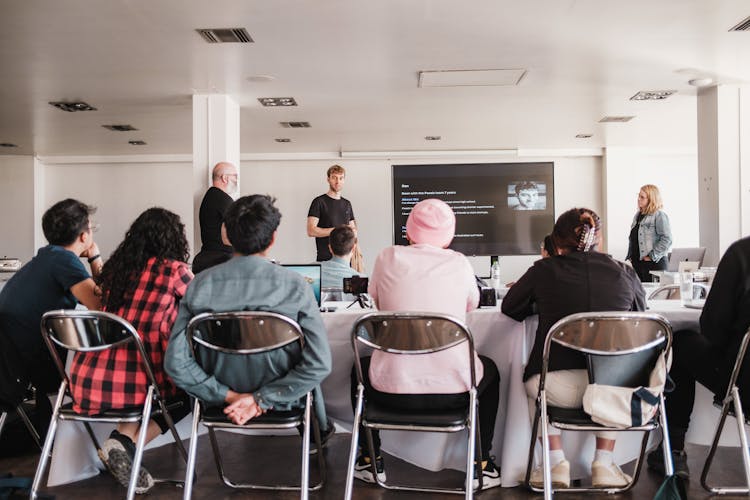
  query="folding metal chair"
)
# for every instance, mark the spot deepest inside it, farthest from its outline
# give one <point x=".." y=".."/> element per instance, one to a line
<point x="411" y="334"/>
<point x="731" y="405"/>
<point x="672" y="292"/>
<point x="249" y="333"/>
<point x="91" y="331"/>
<point x="621" y="349"/>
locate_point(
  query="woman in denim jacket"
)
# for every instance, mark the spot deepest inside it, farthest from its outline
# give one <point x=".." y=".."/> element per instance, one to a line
<point x="650" y="234"/>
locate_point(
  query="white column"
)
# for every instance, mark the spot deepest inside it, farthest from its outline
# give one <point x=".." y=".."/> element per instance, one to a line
<point x="723" y="169"/>
<point x="216" y="137"/>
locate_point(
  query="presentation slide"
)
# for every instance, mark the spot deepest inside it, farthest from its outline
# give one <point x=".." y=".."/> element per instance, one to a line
<point x="501" y="208"/>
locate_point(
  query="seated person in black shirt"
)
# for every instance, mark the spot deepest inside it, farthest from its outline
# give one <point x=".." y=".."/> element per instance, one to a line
<point x="576" y="279"/>
<point x="708" y="356"/>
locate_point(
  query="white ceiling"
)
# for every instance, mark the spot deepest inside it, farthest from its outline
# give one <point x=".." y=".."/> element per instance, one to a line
<point x="353" y="66"/>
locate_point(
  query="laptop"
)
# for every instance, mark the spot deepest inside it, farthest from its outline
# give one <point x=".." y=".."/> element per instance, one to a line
<point x="311" y="273"/>
<point x="678" y="255"/>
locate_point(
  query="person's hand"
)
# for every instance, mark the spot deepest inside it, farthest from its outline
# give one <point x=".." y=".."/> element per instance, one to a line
<point x="91" y="251"/>
<point x="646" y="259"/>
<point x="241" y="408"/>
<point x="510" y="284"/>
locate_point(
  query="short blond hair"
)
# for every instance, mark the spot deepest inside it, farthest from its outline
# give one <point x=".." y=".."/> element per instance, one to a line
<point x="654" y="199"/>
<point x="335" y="169"/>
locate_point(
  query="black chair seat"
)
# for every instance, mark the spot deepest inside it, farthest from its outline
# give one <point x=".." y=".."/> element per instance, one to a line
<point x="130" y="412"/>
<point x="215" y="415"/>
<point x="379" y="414"/>
<point x="576" y="416"/>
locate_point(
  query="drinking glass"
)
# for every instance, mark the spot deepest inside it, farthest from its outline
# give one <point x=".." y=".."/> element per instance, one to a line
<point x="686" y="288"/>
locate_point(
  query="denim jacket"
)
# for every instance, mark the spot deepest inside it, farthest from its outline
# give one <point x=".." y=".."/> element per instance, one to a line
<point x="654" y="236"/>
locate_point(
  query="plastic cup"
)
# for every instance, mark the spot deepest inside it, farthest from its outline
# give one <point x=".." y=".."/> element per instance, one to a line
<point x="686" y="288"/>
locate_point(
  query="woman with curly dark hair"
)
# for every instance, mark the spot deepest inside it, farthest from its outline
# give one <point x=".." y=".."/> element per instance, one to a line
<point x="142" y="282"/>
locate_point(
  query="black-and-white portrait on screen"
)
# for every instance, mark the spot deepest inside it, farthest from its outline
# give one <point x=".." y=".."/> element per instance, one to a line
<point x="527" y="195"/>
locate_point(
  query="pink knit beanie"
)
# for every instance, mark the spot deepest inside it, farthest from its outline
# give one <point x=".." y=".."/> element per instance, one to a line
<point x="431" y="221"/>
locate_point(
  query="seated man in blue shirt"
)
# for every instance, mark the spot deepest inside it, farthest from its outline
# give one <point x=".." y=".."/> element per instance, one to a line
<point x="54" y="279"/>
<point x="341" y="243"/>
<point x="248" y="282"/>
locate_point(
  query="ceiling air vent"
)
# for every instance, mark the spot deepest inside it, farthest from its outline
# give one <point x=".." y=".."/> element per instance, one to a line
<point x="120" y="128"/>
<point x="295" y="124"/>
<point x="652" y="95"/>
<point x="225" y="35"/>
<point x="743" y="25"/>
<point x="72" y="107"/>
<point x="616" y="119"/>
<point x="8" y="145"/>
<point x="277" y="101"/>
<point x="137" y="143"/>
<point x="283" y="139"/>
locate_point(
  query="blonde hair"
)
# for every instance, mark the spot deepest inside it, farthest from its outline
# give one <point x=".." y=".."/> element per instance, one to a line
<point x="654" y="199"/>
<point x="335" y="169"/>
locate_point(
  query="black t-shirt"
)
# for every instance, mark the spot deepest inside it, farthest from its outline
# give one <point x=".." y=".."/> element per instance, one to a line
<point x="331" y="213"/>
<point x="215" y="203"/>
<point x="635" y="250"/>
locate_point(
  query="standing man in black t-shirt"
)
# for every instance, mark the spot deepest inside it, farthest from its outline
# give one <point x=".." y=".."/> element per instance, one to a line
<point x="328" y="211"/>
<point x="215" y="202"/>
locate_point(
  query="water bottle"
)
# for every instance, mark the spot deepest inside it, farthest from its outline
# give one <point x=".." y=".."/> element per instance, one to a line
<point x="495" y="275"/>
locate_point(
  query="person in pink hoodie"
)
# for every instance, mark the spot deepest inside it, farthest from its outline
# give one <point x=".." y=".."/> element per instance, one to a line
<point x="428" y="277"/>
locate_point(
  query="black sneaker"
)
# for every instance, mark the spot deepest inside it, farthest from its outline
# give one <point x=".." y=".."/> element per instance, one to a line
<point x="490" y="475"/>
<point x="655" y="461"/>
<point x="325" y="435"/>
<point x="363" y="469"/>
<point x="117" y="453"/>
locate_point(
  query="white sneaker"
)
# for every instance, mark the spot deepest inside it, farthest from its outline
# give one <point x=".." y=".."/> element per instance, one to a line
<point x="560" y="476"/>
<point x="608" y="475"/>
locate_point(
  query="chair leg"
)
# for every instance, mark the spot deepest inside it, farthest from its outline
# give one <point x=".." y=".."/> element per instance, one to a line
<point x="217" y="457"/>
<point x="353" y="445"/>
<point x="190" y="469"/>
<point x="173" y="429"/>
<point x="740" y="416"/>
<point x="472" y="446"/>
<point x="3" y="416"/>
<point x="545" y="448"/>
<point x="140" y="444"/>
<point x="47" y="448"/>
<point x="27" y="422"/>
<point x="319" y="444"/>
<point x="532" y="445"/>
<point x="305" y="473"/>
<point x="666" y="444"/>
<point x="714" y="447"/>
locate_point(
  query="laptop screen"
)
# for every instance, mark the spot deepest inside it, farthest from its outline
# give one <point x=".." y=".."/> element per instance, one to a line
<point x="311" y="273"/>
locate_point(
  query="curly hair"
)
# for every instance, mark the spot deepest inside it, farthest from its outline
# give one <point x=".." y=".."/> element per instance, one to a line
<point x="577" y="230"/>
<point x="155" y="233"/>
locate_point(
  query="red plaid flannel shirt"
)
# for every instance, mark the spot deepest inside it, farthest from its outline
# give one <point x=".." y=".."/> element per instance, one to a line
<point x="114" y="378"/>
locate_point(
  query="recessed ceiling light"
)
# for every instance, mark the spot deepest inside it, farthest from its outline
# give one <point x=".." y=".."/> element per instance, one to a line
<point x="260" y="78"/>
<point x="701" y="82"/>
<point x="432" y="138"/>
<point x="120" y="128"/>
<point x="616" y="119"/>
<point x="277" y="101"/>
<point x="137" y="143"/>
<point x="295" y="124"/>
<point x="8" y="145"/>
<point x="72" y="107"/>
<point x="225" y="35"/>
<point x="652" y="95"/>
<point x="283" y="139"/>
<point x="584" y="136"/>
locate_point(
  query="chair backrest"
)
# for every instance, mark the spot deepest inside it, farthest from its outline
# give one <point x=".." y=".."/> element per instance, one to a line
<point x="620" y="347"/>
<point x="242" y="332"/>
<point x="672" y="292"/>
<point x="89" y="331"/>
<point x="410" y="333"/>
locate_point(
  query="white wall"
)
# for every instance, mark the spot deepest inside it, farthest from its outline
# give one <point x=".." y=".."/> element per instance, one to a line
<point x="17" y="207"/>
<point x="676" y="175"/>
<point x="368" y="186"/>
<point x="121" y="191"/>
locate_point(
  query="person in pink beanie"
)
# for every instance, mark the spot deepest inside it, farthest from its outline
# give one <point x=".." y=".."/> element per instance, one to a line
<point x="428" y="277"/>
